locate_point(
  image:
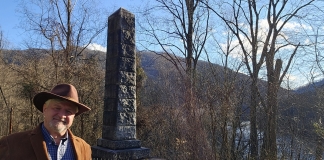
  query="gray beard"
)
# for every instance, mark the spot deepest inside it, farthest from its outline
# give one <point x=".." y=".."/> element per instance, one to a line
<point x="59" y="130"/>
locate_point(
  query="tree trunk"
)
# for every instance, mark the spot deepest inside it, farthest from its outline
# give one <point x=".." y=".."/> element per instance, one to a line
<point x="253" y="123"/>
<point x="319" y="148"/>
<point x="270" y="136"/>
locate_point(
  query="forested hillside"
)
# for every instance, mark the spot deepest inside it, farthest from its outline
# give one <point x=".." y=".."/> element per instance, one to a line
<point x="162" y="106"/>
<point x="161" y="120"/>
<point x="27" y="72"/>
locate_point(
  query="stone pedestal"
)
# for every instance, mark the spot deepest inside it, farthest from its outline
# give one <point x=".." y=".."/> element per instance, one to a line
<point x="119" y="115"/>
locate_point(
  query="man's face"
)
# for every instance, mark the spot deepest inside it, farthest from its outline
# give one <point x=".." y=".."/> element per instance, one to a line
<point x="58" y="115"/>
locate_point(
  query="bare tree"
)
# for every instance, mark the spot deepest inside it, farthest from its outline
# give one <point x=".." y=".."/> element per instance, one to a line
<point x="261" y="46"/>
<point x="181" y="31"/>
<point x="65" y="28"/>
<point x="318" y="106"/>
<point x="60" y="32"/>
<point x="185" y="31"/>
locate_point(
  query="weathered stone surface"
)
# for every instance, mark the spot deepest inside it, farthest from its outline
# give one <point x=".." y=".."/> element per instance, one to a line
<point x="111" y="104"/>
<point x="122" y="36"/>
<point x="127" y="51"/>
<point x="127" y="78"/>
<point x="112" y="67"/>
<point x="122" y="78"/>
<point x="126" y="105"/>
<point x="112" y="79"/>
<point x="126" y="118"/>
<point x="112" y="121"/>
<point x="119" y="116"/>
<point x="111" y="91"/>
<point x="121" y="105"/>
<point x="125" y="144"/>
<point x="119" y="132"/>
<point x="121" y="19"/>
<point x="127" y="64"/>
<point x="121" y="91"/>
<point x="127" y="37"/>
<point x="123" y="50"/>
<point x="121" y="64"/>
<point x="126" y="92"/>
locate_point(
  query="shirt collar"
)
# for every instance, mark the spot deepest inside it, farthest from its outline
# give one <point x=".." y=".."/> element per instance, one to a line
<point x="49" y="139"/>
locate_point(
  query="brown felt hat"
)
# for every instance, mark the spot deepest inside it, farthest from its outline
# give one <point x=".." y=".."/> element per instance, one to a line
<point x="60" y="91"/>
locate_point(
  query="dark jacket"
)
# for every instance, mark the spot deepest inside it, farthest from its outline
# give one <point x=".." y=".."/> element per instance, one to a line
<point x="30" y="145"/>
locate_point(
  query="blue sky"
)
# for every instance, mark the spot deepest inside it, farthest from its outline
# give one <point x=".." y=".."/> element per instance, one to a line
<point x="10" y="18"/>
<point x="15" y="36"/>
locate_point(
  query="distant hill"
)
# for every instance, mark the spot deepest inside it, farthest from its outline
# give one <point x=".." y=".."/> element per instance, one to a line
<point x="155" y="65"/>
<point x="310" y="87"/>
<point x="303" y="107"/>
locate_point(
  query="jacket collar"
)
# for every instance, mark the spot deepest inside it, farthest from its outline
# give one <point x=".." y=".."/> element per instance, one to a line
<point x="39" y="144"/>
<point x="76" y="145"/>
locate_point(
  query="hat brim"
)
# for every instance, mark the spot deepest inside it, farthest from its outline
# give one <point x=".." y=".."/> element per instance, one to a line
<point x="42" y="97"/>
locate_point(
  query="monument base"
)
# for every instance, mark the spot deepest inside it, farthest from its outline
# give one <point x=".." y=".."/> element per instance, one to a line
<point x="116" y="145"/>
<point x="100" y="153"/>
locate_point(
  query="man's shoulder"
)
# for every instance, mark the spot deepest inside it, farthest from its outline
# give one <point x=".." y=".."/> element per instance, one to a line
<point x="76" y="138"/>
<point x="18" y="135"/>
<point x="16" y="140"/>
<point x="80" y="140"/>
<point x="82" y="148"/>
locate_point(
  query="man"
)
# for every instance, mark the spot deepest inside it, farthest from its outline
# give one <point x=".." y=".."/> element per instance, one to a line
<point x="52" y="139"/>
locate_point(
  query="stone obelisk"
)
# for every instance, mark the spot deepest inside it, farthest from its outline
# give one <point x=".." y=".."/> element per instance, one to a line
<point x="119" y="116"/>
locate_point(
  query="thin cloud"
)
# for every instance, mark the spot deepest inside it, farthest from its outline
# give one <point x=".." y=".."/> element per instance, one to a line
<point x="97" y="47"/>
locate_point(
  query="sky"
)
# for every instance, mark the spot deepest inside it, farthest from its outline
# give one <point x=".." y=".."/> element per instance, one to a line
<point x="14" y="36"/>
<point x="10" y="18"/>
